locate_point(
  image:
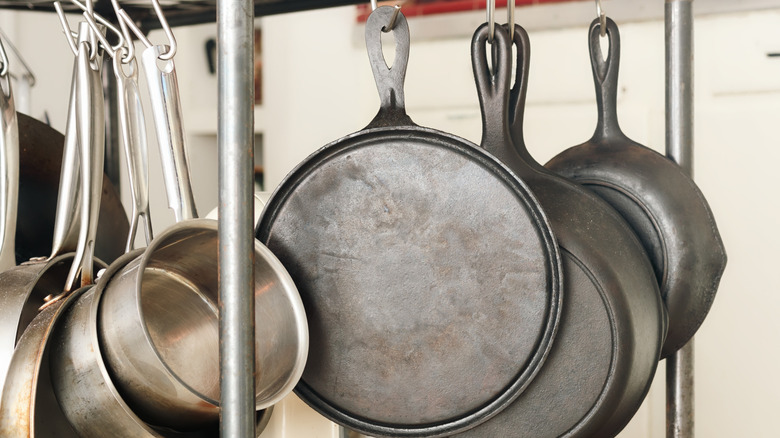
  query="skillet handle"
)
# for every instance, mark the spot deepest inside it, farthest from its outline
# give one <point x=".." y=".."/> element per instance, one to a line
<point x="389" y="80"/>
<point x="605" y="78"/>
<point x="493" y="90"/>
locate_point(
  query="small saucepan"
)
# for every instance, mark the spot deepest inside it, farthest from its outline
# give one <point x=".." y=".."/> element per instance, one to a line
<point x="158" y="320"/>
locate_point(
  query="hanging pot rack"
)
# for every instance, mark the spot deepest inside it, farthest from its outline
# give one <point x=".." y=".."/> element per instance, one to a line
<point x="236" y="76"/>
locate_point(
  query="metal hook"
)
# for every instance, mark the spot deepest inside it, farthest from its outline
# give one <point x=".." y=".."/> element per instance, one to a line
<point x="122" y="15"/>
<point x="130" y="47"/>
<point x="29" y="76"/>
<point x="66" y="28"/>
<point x="3" y="60"/>
<point x="111" y="50"/>
<point x="602" y="19"/>
<point x="393" y="18"/>
<point x="510" y="18"/>
<point x="491" y="19"/>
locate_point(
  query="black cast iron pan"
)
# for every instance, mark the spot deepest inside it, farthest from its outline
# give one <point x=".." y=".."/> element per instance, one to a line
<point x="613" y="324"/>
<point x="655" y="196"/>
<point x="429" y="274"/>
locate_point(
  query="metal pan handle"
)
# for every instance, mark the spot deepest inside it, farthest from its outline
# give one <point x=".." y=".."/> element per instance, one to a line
<point x="9" y="170"/>
<point x="166" y="109"/>
<point x="67" y="214"/>
<point x="133" y="129"/>
<point x="605" y="78"/>
<point x="493" y="89"/>
<point x="90" y="121"/>
<point x="389" y="80"/>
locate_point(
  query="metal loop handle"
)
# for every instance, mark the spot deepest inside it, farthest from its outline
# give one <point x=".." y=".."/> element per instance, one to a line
<point x="133" y="135"/>
<point x="166" y="109"/>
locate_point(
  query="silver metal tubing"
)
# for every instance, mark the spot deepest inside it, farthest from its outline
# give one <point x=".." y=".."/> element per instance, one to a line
<point x="235" y="69"/>
<point x="679" y="147"/>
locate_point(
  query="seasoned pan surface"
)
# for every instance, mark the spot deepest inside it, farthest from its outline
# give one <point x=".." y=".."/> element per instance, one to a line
<point x="429" y="274"/>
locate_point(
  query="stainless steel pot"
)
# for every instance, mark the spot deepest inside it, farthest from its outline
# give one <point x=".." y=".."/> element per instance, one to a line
<point x="158" y="319"/>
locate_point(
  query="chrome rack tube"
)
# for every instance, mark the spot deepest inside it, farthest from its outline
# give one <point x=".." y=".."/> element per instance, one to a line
<point x="235" y="54"/>
<point x="679" y="147"/>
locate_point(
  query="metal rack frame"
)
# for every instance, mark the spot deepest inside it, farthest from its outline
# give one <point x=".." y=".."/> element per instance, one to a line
<point x="235" y="19"/>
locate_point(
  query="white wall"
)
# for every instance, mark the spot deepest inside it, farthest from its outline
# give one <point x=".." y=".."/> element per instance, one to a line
<point x="318" y="87"/>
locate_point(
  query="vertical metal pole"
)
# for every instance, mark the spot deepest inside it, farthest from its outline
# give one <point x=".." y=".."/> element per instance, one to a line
<point x="679" y="147"/>
<point x="235" y="70"/>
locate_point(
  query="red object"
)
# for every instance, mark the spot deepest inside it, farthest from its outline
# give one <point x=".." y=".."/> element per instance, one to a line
<point x="415" y="8"/>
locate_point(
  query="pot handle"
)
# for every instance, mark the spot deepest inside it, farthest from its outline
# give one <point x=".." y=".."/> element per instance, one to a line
<point x="389" y="80"/>
<point x="9" y="167"/>
<point x="166" y="109"/>
<point x="90" y="121"/>
<point x="605" y="78"/>
<point x="133" y="128"/>
<point x="493" y="89"/>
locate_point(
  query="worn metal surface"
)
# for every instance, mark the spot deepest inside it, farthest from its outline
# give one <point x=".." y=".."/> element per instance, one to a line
<point x="657" y="198"/>
<point x="159" y="332"/>
<point x="606" y="350"/>
<point x="28" y="407"/>
<point x="235" y="57"/>
<point x="428" y="271"/>
<point x="680" y="420"/>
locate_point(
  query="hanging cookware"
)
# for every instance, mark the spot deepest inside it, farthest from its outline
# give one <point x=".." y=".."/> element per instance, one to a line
<point x="25" y="288"/>
<point x="606" y="351"/>
<point x="27" y="397"/>
<point x="428" y="271"/>
<point x="133" y="129"/>
<point x="83" y="386"/>
<point x="655" y="196"/>
<point x="158" y="319"/>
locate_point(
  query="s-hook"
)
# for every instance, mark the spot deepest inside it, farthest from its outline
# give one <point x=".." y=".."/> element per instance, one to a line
<point x="602" y="19"/>
<point x="393" y="18"/>
<point x="122" y="16"/>
<point x="3" y="61"/>
<point x="28" y="75"/>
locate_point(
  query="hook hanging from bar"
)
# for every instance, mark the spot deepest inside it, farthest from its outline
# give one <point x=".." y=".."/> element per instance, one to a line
<point x="129" y="47"/>
<point x="3" y="61"/>
<point x="122" y="15"/>
<point x="28" y="75"/>
<point x="491" y="19"/>
<point x="393" y="18"/>
<point x="602" y="19"/>
<point x="110" y="49"/>
<point x="510" y="18"/>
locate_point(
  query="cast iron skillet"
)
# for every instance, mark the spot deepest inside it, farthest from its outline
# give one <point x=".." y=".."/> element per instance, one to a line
<point x="429" y="274"/>
<point x="655" y="196"/>
<point x="613" y="324"/>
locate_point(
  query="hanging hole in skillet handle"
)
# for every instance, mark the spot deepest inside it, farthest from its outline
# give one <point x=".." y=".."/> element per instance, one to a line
<point x="605" y="73"/>
<point x="492" y="81"/>
<point x="389" y="80"/>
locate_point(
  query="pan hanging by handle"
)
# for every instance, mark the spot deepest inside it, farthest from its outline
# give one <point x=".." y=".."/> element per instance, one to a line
<point x="429" y="272"/>
<point x="654" y="195"/>
<point x="613" y="323"/>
